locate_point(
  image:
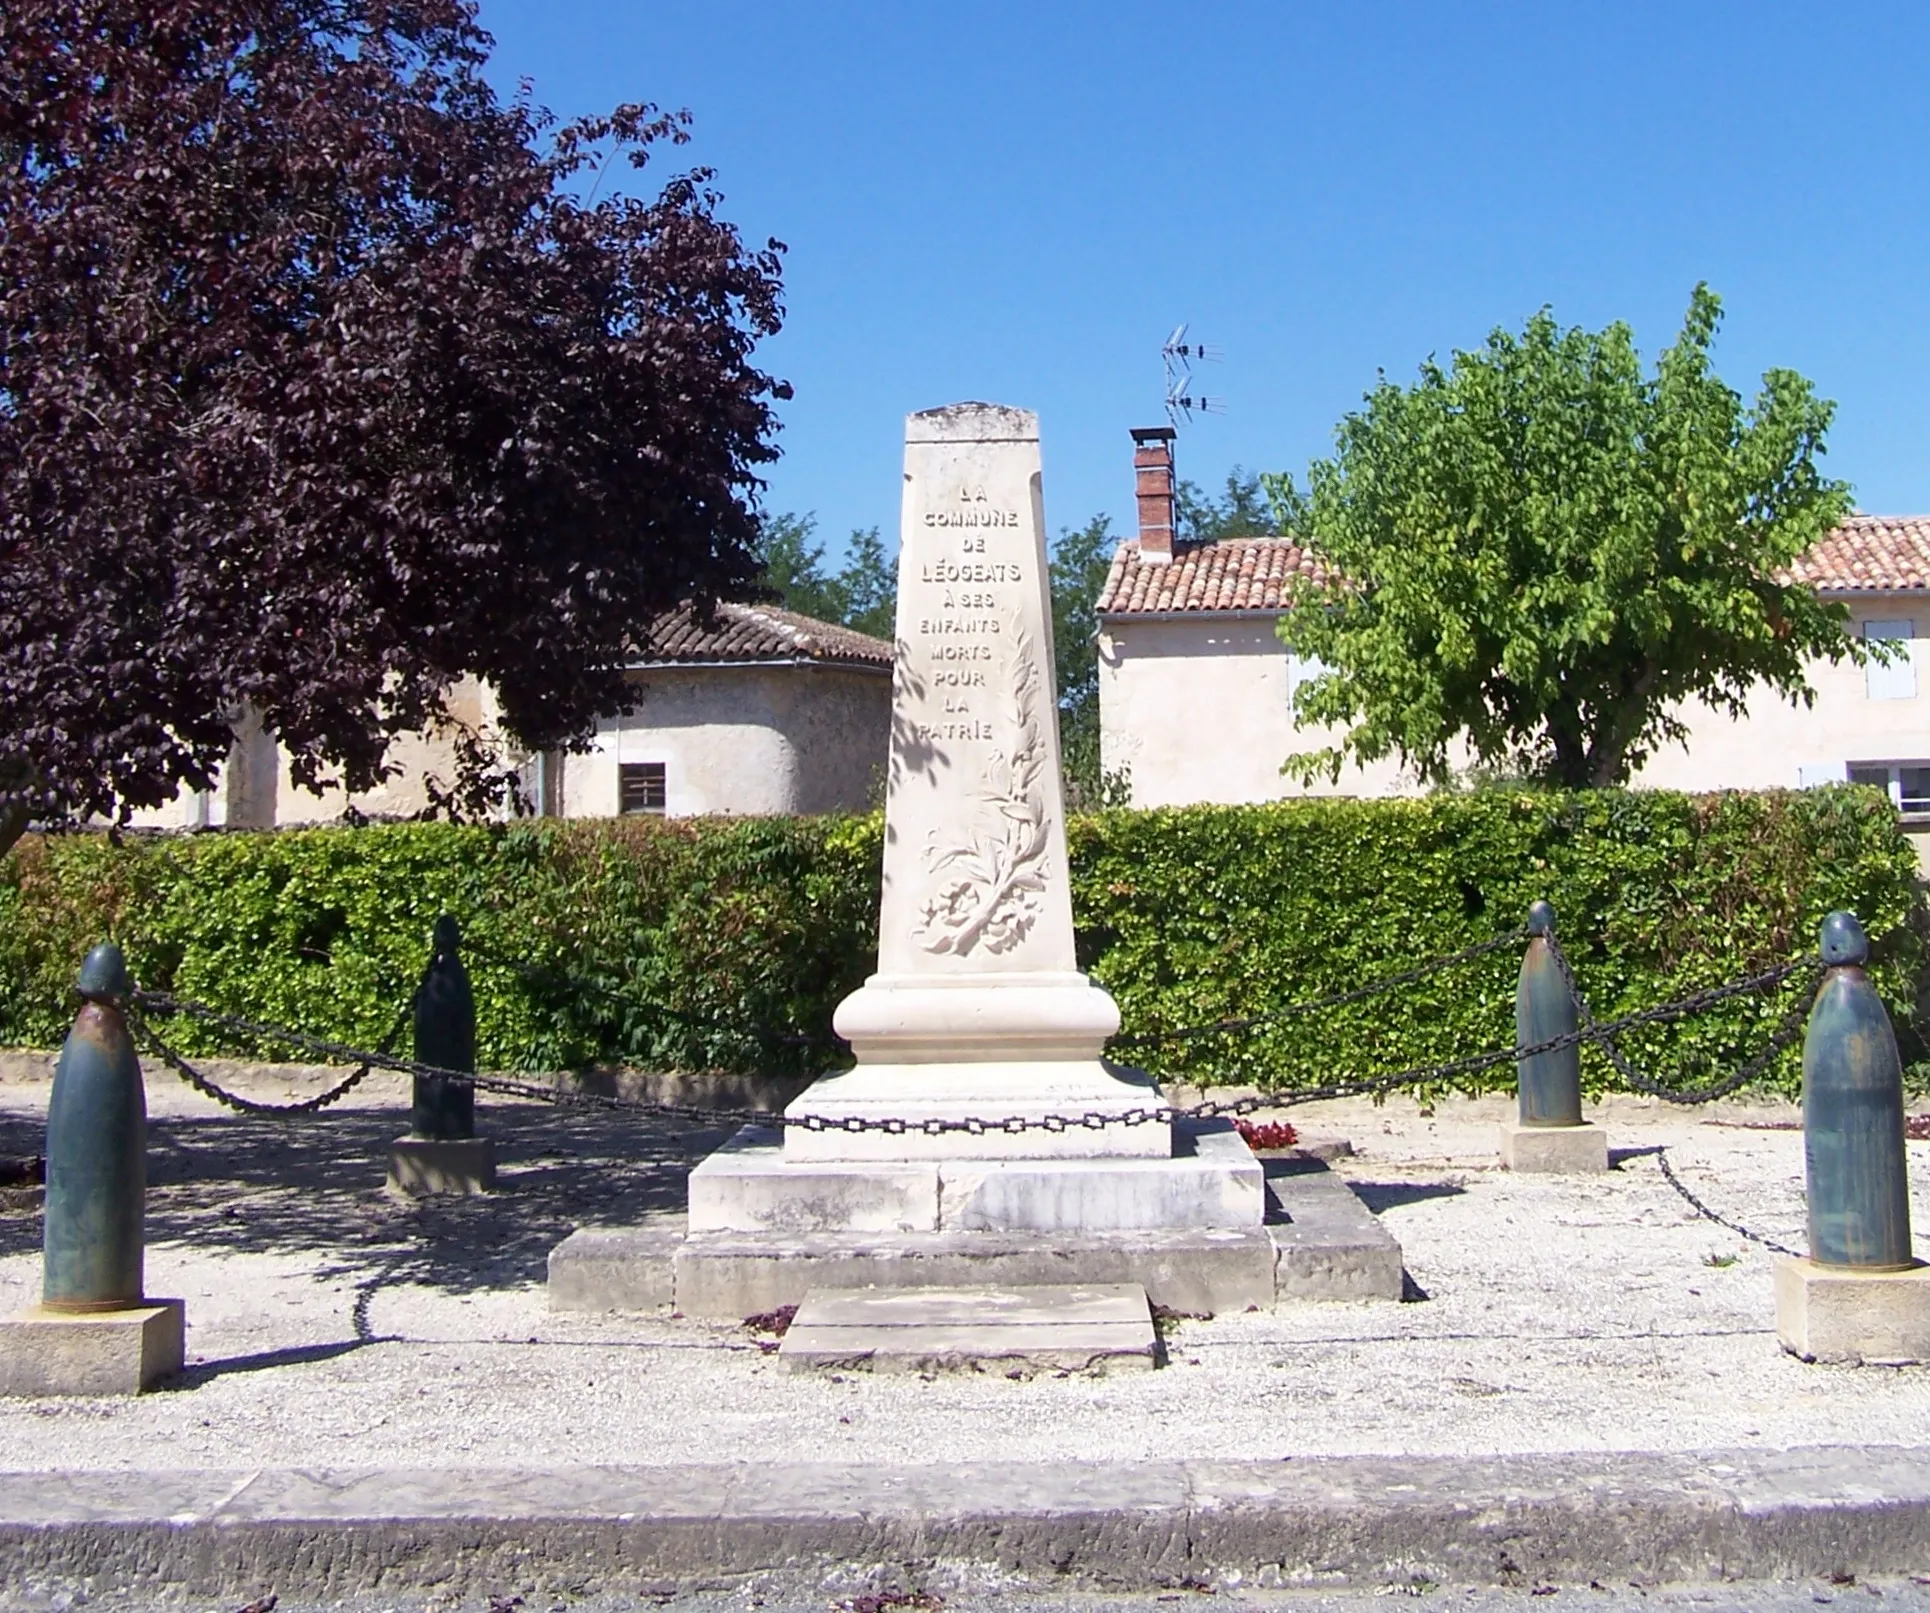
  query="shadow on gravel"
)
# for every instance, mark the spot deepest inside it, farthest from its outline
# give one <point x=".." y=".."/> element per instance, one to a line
<point x="300" y="1355"/>
<point x="1379" y="1196"/>
<point x="1617" y="1155"/>
<point x="250" y="1185"/>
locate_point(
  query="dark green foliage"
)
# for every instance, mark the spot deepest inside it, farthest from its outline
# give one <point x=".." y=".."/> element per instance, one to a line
<point x="716" y="939"/>
<point x="1077" y="569"/>
<point x="1242" y="510"/>
<point x="860" y="594"/>
<point x="1193" y="915"/>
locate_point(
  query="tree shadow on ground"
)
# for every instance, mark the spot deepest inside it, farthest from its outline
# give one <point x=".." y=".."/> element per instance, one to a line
<point x="245" y="1184"/>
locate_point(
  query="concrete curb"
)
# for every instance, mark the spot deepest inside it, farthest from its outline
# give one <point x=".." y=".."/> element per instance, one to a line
<point x="1511" y="1521"/>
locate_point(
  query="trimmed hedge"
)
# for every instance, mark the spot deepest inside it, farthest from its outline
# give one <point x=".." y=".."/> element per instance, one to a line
<point x="727" y="942"/>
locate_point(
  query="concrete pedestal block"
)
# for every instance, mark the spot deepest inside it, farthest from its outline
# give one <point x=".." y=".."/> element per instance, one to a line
<point x="424" y="1165"/>
<point x="1211" y="1179"/>
<point x="46" y="1352"/>
<point x="1568" y="1150"/>
<point x="1833" y="1313"/>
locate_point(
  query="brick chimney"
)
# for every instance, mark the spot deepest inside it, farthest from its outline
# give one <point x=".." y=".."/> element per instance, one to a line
<point x="1153" y="476"/>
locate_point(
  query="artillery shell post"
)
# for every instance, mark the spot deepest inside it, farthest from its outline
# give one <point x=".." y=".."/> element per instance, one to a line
<point x="1861" y="1295"/>
<point x="1548" y="1133"/>
<point x="95" y="1332"/>
<point x="442" y="1153"/>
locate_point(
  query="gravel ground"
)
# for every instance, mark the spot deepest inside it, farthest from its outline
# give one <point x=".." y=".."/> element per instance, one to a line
<point x="328" y="1325"/>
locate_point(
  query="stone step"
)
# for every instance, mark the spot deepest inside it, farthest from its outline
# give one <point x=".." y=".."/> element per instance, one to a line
<point x="1322" y="1244"/>
<point x="1060" y="1327"/>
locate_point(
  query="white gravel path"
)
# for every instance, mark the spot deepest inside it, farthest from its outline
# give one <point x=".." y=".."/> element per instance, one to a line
<point x="1561" y="1314"/>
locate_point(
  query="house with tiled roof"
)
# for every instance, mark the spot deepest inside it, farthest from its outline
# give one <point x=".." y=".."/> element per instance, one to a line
<point x="752" y="709"/>
<point x="749" y="709"/>
<point x="1196" y="691"/>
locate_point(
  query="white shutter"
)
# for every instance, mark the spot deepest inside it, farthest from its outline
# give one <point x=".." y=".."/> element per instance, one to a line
<point x="1896" y="680"/>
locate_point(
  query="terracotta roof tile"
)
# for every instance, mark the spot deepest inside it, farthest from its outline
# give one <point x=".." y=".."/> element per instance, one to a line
<point x="1870" y="554"/>
<point x="1866" y="554"/>
<point x="1232" y="574"/>
<point x="757" y="633"/>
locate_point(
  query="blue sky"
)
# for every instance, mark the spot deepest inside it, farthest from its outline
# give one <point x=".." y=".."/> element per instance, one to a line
<point x="1017" y="203"/>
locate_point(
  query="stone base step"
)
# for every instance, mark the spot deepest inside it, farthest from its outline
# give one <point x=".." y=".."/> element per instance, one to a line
<point x="1321" y="1243"/>
<point x="1094" y="1327"/>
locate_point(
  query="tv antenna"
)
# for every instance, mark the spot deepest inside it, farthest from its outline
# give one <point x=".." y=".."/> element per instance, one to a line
<point x="1180" y="355"/>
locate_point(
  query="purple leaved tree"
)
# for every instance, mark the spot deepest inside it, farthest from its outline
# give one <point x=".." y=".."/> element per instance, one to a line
<point x="327" y="379"/>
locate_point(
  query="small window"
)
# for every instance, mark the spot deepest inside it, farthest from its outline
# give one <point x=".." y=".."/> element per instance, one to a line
<point x="1896" y="679"/>
<point x="1907" y="784"/>
<point x="1875" y="777"/>
<point x="640" y="787"/>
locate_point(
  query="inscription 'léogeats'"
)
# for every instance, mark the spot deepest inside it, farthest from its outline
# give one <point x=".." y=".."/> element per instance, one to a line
<point x="952" y="571"/>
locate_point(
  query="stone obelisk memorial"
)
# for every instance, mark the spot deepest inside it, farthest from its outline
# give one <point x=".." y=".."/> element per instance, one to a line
<point x="978" y="1010"/>
<point x="982" y="1137"/>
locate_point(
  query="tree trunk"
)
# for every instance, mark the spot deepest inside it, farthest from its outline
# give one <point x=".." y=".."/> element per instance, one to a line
<point x="13" y="824"/>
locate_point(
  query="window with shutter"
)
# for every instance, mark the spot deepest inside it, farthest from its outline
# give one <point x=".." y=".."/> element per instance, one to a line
<point x="641" y="787"/>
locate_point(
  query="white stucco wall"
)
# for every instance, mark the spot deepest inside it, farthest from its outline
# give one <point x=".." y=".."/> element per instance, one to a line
<point x="743" y="739"/>
<point x="1778" y="746"/>
<point x="1198" y="708"/>
<point x="733" y="739"/>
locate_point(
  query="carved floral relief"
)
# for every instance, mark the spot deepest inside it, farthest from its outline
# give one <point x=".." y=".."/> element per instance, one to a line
<point x="985" y="887"/>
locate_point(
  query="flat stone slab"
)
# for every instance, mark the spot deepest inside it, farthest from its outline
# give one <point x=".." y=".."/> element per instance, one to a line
<point x="1064" y="1327"/>
<point x="1328" y="1245"/>
<point x="803" y="1527"/>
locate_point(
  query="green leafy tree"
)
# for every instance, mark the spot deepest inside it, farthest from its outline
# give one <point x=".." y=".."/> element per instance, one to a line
<point x="866" y="585"/>
<point x="1242" y="510"/>
<point x="793" y="566"/>
<point x="860" y="594"/>
<point x="1077" y="571"/>
<point x="1542" y="554"/>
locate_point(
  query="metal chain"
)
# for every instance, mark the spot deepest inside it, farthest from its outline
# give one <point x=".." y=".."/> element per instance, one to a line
<point x="1013" y="1125"/>
<point x="234" y="1100"/>
<point x="1786" y="1032"/>
<point x="1703" y="1210"/>
<point x="1338" y="999"/>
<point x="209" y="1088"/>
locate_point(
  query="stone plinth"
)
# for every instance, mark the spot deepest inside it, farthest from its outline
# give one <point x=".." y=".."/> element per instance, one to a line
<point x="1833" y="1313"/>
<point x="1322" y="1243"/>
<point x="1013" y="1331"/>
<point x="755" y="1184"/>
<point x="419" y="1166"/>
<point x="45" y="1352"/>
<point x="1572" y="1150"/>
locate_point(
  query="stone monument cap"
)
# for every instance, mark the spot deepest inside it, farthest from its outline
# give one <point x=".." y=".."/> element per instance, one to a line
<point x="972" y="422"/>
